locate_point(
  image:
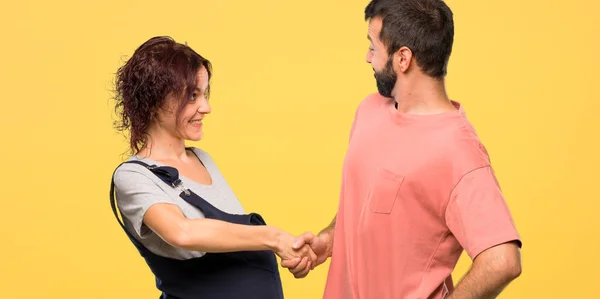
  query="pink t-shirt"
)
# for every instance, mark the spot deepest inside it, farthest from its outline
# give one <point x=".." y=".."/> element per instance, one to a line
<point x="416" y="191"/>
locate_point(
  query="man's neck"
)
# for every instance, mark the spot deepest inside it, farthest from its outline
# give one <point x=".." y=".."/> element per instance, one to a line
<point x="423" y="96"/>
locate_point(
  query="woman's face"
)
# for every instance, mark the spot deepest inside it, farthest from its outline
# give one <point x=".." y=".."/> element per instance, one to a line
<point x="189" y="125"/>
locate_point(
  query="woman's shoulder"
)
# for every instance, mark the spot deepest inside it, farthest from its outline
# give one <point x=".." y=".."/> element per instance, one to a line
<point x="203" y="155"/>
<point x="134" y="164"/>
<point x="133" y="171"/>
<point x="198" y="151"/>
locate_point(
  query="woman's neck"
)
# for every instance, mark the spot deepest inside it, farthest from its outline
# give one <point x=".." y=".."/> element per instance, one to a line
<point x="162" y="145"/>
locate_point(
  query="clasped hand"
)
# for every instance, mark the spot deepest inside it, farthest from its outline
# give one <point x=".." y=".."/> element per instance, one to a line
<point x="301" y="254"/>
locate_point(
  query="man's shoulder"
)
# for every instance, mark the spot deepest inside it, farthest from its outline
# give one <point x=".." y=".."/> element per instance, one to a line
<point x="373" y="100"/>
<point x="372" y="103"/>
<point x="465" y="147"/>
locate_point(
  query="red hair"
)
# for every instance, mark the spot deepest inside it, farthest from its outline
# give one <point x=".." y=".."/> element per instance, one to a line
<point x="159" y="68"/>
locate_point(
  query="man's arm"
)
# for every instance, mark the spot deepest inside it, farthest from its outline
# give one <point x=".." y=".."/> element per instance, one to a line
<point x="491" y="272"/>
<point x="326" y="236"/>
<point x="478" y="216"/>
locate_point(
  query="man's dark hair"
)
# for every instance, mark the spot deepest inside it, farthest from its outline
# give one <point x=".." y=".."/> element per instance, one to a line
<point x="426" y="27"/>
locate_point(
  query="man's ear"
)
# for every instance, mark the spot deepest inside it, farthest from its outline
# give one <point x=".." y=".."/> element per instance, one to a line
<point x="402" y="59"/>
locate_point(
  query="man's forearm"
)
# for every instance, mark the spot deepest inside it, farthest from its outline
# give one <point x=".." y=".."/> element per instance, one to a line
<point x="478" y="285"/>
<point x="330" y="228"/>
<point x="489" y="275"/>
<point x="327" y="235"/>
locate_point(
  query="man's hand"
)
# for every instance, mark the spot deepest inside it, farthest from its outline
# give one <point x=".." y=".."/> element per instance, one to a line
<point x="287" y="249"/>
<point x="321" y="245"/>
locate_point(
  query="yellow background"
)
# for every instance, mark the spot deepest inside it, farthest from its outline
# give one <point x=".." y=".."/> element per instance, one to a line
<point x="287" y="78"/>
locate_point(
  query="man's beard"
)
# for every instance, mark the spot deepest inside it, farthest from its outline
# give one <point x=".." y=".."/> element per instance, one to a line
<point x="386" y="80"/>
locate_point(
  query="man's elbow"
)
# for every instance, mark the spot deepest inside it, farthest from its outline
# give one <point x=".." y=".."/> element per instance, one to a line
<point x="503" y="262"/>
<point x="510" y="267"/>
<point x="512" y="270"/>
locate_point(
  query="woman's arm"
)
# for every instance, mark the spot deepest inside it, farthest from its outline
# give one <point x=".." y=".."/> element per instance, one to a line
<point x="144" y="203"/>
<point x="209" y="235"/>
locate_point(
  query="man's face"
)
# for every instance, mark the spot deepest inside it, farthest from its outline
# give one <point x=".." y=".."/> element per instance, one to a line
<point x="380" y="61"/>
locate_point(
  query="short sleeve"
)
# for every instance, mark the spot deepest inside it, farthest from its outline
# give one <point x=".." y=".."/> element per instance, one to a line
<point x="135" y="193"/>
<point x="477" y="213"/>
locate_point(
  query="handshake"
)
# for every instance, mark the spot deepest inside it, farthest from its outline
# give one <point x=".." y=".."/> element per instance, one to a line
<point x="302" y="254"/>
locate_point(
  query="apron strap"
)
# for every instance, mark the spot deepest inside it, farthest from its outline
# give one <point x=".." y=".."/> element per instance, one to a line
<point x="170" y="176"/>
<point x="167" y="174"/>
<point x="113" y="205"/>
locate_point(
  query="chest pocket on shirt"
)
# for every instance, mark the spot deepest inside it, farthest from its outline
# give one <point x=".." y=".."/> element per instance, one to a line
<point x="384" y="191"/>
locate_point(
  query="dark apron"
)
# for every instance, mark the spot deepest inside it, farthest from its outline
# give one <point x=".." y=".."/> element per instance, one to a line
<point x="245" y="274"/>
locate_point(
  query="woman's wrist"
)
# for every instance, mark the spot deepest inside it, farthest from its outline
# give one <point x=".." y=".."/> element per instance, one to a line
<point x="272" y="240"/>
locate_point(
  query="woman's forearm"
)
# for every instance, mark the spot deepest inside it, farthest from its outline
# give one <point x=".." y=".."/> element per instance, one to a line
<point x="209" y="235"/>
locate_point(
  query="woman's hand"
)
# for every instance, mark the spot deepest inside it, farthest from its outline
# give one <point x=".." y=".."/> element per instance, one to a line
<point x="304" y="255"/>
<point x="321" y="245"/>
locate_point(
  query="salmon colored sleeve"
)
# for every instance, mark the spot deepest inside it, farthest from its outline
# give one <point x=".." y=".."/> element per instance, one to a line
<point x="477" y="214"/>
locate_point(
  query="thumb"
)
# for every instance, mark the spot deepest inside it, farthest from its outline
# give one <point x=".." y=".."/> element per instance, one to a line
<point x="305" y="238"/>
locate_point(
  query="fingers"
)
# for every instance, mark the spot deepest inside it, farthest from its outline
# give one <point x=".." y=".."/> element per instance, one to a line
<point x="308" y="263"/>
<point x="306" y="251"/>
<point x="313" y="259"/>
<point x="304" y="271"/>
<point x="303" y="243"/>
<point x="304" y="259"/>
<point x="305" y="238"/>
<point x="301" y="267"/>
<point x="291" y="263"/>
